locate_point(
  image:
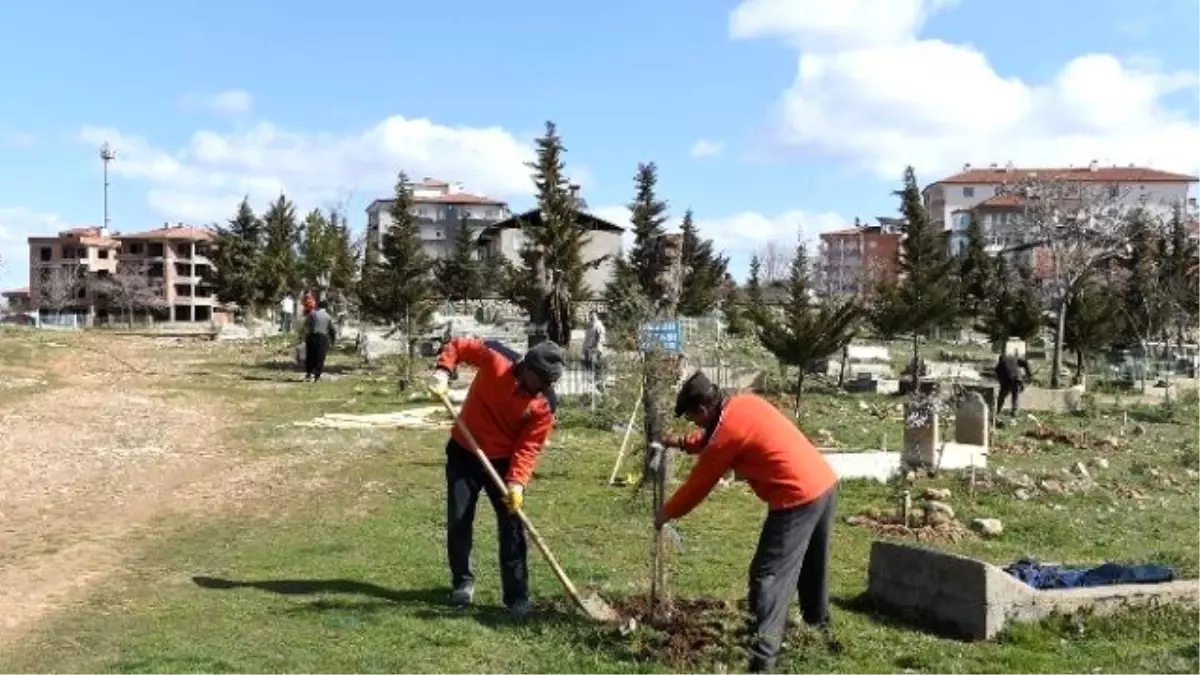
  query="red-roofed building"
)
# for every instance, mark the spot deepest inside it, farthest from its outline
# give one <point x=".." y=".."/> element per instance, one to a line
<point x="852" y="260"/>
<point x="440" y="208"/>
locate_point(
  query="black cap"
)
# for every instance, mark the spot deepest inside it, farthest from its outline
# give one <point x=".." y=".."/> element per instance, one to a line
<point x="545" y="359"/>
<point x="697" y="390"/>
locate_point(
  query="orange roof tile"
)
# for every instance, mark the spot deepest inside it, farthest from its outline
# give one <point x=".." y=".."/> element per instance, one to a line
<point x="15" y="291"/>
<point x="1103" y="174"/>
<point x="460" y="198"/>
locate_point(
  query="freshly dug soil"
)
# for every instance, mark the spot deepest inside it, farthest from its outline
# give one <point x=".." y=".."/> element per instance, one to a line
<point x="691" y="632"/>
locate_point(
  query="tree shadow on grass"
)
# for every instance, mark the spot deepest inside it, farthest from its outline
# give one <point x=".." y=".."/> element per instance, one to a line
<point x="426" y="603"/>
<point x="292" y="366"/>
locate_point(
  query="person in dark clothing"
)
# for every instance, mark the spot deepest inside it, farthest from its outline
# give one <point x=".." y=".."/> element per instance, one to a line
<point x="1008" y="375"/>
<point x="510" y="412"/>
<point x="744" y="432"/>
<point x="319" y="334"/>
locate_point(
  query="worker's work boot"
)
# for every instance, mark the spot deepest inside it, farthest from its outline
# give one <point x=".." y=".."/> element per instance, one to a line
<point x="463" y="595"/>
<point x="520" y="609"/>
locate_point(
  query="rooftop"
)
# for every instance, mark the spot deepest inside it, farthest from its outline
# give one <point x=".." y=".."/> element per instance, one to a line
<point x="1090" y="173"/>
<point x="175" y="232"/>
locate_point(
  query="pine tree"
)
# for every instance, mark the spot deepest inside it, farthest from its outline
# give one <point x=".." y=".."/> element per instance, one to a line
<point x="554" y="249"/>
<point x="808" y="331"/>
<point x="1179" y="275"/>
<point x="1025" y="317"/>
<point x="754" y="297"/>
<point x="459" y="277"/>
<point x="315" y="249"/>
<point x="627" y="305"/>
<point x="279" y="270"/>
<point x="1093" y="323"/>
<point x="237" y="251"/>
<point x="344" y="271"/>
<point x="1143" y="298"/>
<point x="975" y="271"/>
<point x="926" y="297"/>
<point x="705" y="273"/>
<point x="647" y="215"/>
<point x="398" y="288"/>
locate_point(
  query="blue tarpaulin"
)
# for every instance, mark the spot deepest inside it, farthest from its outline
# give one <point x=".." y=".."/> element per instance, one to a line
<point x="1042" y="576"/>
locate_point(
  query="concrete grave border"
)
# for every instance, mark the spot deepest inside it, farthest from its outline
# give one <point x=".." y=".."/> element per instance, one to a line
<point x="970" y="599"/>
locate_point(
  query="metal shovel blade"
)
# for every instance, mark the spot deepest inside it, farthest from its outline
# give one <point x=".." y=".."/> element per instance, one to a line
<point x="595" y="607"/>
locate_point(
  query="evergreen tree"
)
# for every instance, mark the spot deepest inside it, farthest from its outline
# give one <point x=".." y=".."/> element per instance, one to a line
<point x="459" y="277"/>
<point x="1093" y="323"/>
<point x="754" y="296"/>
<point x="647" y="215"/>
<point x="975" y="271"/>
<point x="1179" y="275"/>
<point x="627" y="305"/>
<point x="280" y="269"/>
<point x="551" y="274"/>
<point x="925" y="298"/>
<point x="1143" y="299"/>
<point x="808" y="331"/>
<point x="733" y="307"/>
<point x="1013" y="310"/>
<point x="344" y="270"/>
<point x="237" y="252"/>
<point x="705" y="271"/>
<point x="315" y="248"/>
<point x="397" y="288"/>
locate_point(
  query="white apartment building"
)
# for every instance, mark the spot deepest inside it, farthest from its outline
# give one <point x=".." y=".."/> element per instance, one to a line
<point x="440" y="208"/>
<point x="950" y="201"/>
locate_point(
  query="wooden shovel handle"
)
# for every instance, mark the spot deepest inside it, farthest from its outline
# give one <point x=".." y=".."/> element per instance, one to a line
<point x="500" y="485"/>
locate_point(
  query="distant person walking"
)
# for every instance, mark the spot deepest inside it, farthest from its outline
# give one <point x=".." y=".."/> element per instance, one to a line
<point x="1008" y="375"/>
<point x="593" y="345"/>
<point x="319" y="334"/>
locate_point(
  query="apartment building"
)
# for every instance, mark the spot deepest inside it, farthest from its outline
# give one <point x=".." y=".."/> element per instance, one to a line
<point x="64" y="270"/>
<point x="440" y="208"/>
<point x="953" y="200"/>
<point x="505" y="240"/>
<point x="850" y="261"/>
<point x="60" y="267"/>
<point x="175" y="260"/>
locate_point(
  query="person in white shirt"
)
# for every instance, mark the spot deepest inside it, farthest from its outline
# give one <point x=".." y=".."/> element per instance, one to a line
<point x="287" y="313"/>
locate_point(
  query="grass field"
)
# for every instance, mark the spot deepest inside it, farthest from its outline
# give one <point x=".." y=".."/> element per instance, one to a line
<point x="335" y="562"/>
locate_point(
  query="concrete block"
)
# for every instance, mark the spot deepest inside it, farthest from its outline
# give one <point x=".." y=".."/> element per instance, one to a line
<point x="971" y="599"/>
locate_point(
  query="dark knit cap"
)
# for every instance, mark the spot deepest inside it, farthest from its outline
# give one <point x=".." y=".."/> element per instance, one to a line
<point x="697" y="390"/>
<point x="545" y="359"/>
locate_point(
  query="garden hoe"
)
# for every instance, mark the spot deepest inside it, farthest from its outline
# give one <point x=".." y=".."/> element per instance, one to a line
<point x="593" y="605"/>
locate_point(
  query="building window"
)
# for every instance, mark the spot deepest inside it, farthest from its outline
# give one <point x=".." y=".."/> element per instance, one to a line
<point x="102" y="254"/>
<point x="1114" y="191"/>
<point x="46" y="253"/>
<point x="969" y="192"/>
<point x="437" y="234"/>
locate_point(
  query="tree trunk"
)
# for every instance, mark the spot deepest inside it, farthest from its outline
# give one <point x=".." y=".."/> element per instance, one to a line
<point x="916" y="359"/>
<point x="842" y="367"/>
<point x="1145" y="363"/>
<point x="1079" y="363"/>
<point x="1059" y="332"/>
<point x="799" y="389"/>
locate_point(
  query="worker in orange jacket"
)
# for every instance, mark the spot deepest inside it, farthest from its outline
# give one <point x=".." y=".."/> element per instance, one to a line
<point x="510" y="412"/>
<point x="747" y="434"/>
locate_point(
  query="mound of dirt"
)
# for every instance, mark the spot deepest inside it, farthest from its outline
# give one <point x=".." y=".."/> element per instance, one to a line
<point x="689" y="633"/>
<point x="922" y="525"/>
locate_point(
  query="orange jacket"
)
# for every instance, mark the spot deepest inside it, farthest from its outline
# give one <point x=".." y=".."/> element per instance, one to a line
<point x="763" y="446"/>
<point x="505" y="420"/>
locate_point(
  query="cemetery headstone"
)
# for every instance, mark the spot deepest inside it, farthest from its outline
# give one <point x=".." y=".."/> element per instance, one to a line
<point x="971" y="423"/>
<point x="921" y="435"/>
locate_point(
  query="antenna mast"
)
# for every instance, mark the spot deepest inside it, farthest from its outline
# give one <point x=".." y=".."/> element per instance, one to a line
<point x="107" y="154"/>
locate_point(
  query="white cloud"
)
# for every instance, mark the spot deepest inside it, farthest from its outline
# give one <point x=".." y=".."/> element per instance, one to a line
<point x="17" y="139"/>
<point x="871" y="91"/>
<point x="16" y="225"/>
<point x="706" y="148"/>
<point x="228" y="102"/>
<point x="743" y="232"/>
<point x="203" y="180"/>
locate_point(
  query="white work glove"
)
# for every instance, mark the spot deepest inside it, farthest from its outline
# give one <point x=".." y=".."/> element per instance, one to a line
<point x="439" y="383"/>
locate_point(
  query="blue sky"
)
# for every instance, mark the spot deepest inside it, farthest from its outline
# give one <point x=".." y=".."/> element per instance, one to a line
<point x="808" y="110"/>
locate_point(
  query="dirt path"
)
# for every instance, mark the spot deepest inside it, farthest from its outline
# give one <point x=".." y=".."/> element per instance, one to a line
<point x="86" y="465"/>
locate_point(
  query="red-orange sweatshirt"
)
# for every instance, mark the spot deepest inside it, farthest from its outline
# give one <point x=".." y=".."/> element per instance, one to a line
<point x="506" y="420"/>
<point x="763" y="446"/>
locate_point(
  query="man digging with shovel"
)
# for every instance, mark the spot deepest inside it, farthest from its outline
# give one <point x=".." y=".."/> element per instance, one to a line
<point x="744" y="432"/>
<point x="509" y="411"/>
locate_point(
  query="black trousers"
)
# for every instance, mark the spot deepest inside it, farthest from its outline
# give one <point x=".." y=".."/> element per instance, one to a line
<point x="316" y="348"/>
<point x="465" y="476"/>
<point x="792" y="555"/>
<point x="1008" y="388"/>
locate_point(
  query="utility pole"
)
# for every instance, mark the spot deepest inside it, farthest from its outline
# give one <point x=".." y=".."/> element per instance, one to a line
<point x="107" y="154"/>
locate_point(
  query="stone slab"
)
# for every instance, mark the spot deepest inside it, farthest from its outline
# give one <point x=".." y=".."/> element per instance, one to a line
<point x="971" y="599"/>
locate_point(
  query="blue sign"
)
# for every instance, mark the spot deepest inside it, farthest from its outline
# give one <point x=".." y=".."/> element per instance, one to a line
<point x="667" y="335"/>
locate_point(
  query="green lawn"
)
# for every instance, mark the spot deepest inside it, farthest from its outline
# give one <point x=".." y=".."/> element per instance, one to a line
<point x="347" y="574"/>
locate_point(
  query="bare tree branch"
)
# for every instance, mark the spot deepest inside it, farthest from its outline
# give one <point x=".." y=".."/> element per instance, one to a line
<point x="57" y="289"/>
<point x="130" y="290"/>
